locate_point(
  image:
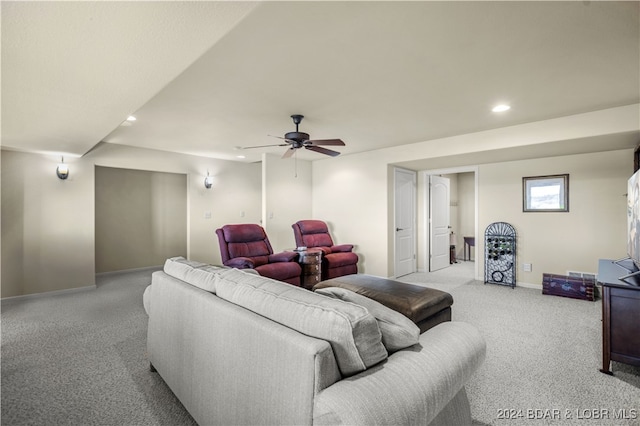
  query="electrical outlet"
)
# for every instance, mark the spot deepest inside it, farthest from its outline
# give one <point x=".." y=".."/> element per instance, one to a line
<point x="207" y="215"/>
<point x="242" y="213"/>
<point x="526" y="267"/>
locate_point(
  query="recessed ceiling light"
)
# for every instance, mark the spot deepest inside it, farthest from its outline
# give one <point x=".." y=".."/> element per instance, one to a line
<point x="131" y="118"/>
<point x="501" y="108"/>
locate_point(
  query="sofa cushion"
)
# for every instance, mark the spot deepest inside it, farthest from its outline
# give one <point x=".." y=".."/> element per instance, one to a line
<point x="197" y="274"/>
<point x="350" y="329"/>
<point x="398" y="331"/>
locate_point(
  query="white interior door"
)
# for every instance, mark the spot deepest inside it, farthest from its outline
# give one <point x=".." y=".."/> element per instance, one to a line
<point x="440" y="228"/>
<point x="405" y="219"/>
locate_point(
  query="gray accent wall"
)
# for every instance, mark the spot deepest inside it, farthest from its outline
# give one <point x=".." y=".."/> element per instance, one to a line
<point x="141" y="218"/>
<point x="49" y="225"/>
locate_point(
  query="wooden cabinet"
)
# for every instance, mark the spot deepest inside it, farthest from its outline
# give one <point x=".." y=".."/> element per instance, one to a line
<point x="620" y="316"/>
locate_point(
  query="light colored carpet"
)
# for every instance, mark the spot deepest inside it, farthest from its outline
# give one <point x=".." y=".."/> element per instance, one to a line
<point x="79" y="359"/>
<point x="543" y="355"/>
<point x="446" y="279"/>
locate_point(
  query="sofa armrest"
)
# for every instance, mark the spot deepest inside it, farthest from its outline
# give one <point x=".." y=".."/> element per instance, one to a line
<point x="342" y="248"/>
<point x="285" y="256"/>
<point x="412" y="386"/>
<point x="240" y="263"/>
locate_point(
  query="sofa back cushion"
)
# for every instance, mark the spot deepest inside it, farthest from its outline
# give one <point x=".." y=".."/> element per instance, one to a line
<point x="195" y="273"/>
<point x="398" y="331"/>
<point x="352" y="332"/>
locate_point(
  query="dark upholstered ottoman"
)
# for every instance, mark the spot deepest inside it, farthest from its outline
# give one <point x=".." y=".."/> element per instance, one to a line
<point x="426" y="307"/>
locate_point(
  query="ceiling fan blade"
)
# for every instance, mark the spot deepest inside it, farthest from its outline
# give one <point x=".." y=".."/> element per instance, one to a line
<point x="334" y="142"/>
<point x="322" y="150"/>
<point x="290" y="141"/>
<point x="264" y="146"/>
<point x="274" y="136"/>
<point x="289" y="152"/>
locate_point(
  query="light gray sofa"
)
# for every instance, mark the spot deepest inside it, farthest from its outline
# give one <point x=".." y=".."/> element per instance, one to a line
<point x="237" y="348"/>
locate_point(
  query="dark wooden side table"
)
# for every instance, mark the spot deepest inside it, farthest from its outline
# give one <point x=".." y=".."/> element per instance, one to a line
<point x="468" y="243"/>
<point x="311" y="272"/>
<point x="620" y="314"/>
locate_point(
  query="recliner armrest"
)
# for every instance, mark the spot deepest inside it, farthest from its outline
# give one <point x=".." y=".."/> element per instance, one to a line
<point x="240" y="263"/>
<point x="342" y="248"/>
<point x="285" y="256"/>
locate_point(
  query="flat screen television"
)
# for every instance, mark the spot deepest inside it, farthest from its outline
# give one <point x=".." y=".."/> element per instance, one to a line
<point x="632" y="263"/>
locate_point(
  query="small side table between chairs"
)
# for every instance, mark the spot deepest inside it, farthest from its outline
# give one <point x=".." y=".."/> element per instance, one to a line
<point x="468" y="243"/>
<point x="311" y="271"/>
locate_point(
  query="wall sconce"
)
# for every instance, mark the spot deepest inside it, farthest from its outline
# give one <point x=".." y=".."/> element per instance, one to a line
<point x="62" y="170"/>
<point x="208" y="181"/>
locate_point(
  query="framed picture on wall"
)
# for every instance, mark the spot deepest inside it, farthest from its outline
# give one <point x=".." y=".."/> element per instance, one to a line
<point x="545" y="193"/>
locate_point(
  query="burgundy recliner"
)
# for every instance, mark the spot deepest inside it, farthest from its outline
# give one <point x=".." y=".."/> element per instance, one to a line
<point x="337" y="260"/>
<point x="247" y="246"/>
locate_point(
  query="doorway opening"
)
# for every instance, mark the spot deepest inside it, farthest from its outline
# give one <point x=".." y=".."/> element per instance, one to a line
<point x="461" y="214"/>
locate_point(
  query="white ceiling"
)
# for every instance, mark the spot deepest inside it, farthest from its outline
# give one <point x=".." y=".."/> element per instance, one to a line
<point x="206" y="77"/>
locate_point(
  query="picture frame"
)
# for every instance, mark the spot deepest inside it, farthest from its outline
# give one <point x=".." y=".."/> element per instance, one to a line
<point x="545" y="193"/>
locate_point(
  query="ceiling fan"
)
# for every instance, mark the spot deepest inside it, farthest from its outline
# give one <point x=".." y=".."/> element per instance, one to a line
<point x="296" y="140"/>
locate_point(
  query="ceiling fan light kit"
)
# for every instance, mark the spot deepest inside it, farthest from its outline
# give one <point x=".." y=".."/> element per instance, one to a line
<point x="296" y="140"/>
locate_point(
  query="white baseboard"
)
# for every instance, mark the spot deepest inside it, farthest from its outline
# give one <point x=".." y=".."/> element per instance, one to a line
<point x="529" y="285"/>
<point x="518" y="284"/>
<point x="124" y="271"/>
<point x="13" y="299"/>
<point x="23" y="297"/>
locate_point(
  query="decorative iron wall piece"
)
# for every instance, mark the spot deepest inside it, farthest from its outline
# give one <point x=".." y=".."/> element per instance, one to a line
<point x="500" y="254"/>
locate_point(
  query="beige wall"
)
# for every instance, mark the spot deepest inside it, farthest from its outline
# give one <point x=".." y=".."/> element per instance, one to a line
<point x="48" y="229"/>
<point x="353" y="192"/>
<point x="235" y="195"/>
<point x="286" y="198"/>
<point x="594" y="227"/>
<point x="48" y="225"/>
<point x="553" y="242"/>
<point x="140" y="218"/>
